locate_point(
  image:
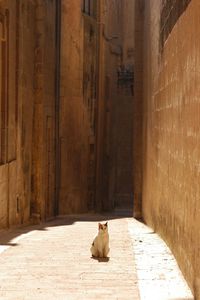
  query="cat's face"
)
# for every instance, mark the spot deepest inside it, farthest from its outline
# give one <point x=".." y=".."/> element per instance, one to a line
<point x="103" y="227"/>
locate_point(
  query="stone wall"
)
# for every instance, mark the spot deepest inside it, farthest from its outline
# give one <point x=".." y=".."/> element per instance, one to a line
<point x="43" y="140"/>
<point x="115" y="102"/>
<point x="76" y="108"/>
<point x="138" y="109"/>
<point x="171" y="135"/>
<point x="16" y="112"/>
<point x="27" y="102"/>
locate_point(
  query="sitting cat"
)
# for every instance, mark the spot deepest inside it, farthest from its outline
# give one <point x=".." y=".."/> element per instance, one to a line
<point x="100" y="245"/>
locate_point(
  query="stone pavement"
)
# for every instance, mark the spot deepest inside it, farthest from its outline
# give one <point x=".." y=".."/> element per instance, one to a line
<point x="52" y="261"/>
<point x="159" y="277"/>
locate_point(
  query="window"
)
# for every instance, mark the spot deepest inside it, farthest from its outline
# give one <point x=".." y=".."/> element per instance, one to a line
<point x="8" y="98"/>
<point x="3" y="87"/>
<point x="89" y="7"/>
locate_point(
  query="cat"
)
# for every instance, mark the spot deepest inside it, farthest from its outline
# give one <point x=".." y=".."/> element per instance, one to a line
<point x="100" y="245"/>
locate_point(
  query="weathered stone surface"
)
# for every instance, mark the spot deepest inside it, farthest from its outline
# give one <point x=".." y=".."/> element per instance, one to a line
<point x="27" y="137"/>
<point x="73" y="127"/>
<point x="171" y="135"/>
<point x="115" y="105"/>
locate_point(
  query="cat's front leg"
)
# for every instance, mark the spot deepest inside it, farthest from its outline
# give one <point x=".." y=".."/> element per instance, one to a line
<point x="101" y="253"/>
<point x="106" y="251"/>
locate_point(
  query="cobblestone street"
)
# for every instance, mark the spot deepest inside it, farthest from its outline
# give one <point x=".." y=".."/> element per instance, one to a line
<point x="52" y="261"/>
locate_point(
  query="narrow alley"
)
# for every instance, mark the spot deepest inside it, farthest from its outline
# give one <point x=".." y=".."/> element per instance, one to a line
<point x="53" y="261"/>
<point x="99" y="121"/>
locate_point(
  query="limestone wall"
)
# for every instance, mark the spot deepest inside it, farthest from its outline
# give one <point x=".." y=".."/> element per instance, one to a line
<point x="171" y="132"/>
<point x="75" y="132"/>
<point x="27" y="102"/>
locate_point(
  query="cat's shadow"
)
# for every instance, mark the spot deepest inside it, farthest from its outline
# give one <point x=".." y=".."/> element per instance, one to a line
<point x="101" y="259"/>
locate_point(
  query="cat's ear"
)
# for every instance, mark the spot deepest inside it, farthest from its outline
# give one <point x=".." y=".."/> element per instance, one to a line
<point x="106" y="224"/>
<point x="100" y="226"/>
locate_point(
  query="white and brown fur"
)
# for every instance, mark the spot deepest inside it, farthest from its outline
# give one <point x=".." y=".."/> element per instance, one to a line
<point x="100" y="245"/>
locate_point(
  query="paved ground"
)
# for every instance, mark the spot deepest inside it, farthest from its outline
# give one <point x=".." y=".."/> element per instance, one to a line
<point x="159" y="277"/>
<point x="52" y="261"/>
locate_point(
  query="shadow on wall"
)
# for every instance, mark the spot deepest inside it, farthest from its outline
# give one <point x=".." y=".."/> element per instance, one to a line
<point x="11" y="236"/>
